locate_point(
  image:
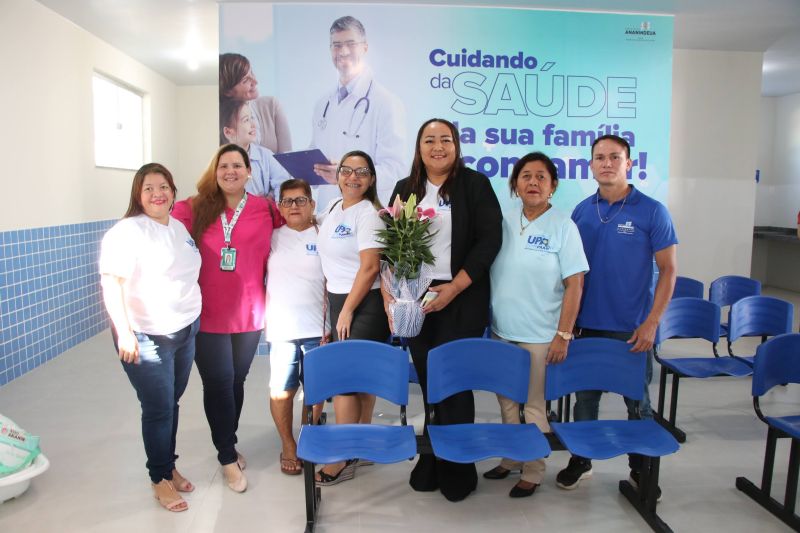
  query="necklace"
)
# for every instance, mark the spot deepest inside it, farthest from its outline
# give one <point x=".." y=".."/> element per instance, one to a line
<point x="523" y="227"/>
<point x="609" y="219"/>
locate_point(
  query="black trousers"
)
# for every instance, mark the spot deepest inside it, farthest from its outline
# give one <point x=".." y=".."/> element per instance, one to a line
<point x="455" y="480"/>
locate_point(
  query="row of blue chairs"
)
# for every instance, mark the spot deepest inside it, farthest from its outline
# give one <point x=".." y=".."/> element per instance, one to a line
<point x="487" y="365"/>
<point x="694" y="318"/>
<point x="777" y="363"/>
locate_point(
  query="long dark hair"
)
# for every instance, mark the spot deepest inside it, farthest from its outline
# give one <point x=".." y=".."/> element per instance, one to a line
<point x="209" y="202"/>
<point x="135" y="206"/>
<point x="371" y="193"/>
<point x="419" y="176"/>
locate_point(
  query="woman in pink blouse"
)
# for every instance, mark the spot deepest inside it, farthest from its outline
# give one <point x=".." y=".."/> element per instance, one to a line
<point x="232" y="230"/>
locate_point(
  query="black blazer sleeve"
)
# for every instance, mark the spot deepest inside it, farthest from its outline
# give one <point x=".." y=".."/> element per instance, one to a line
<point x="486" y="224"/>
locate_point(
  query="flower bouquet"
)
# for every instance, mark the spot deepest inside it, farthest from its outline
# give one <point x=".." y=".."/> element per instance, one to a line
<point x="405" y="270"/>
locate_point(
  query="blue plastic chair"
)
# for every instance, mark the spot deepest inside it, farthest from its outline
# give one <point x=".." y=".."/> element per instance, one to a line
<point x="608" y="365"/>
<point x="488" y="365"/>
<point x="688" y="288"/>
<point x="697" y="319"/>
<point x="353" y="366"/>
<point x="758" y="316"/>
<point x="777" y="362"/>
<point x="726" y="291"/>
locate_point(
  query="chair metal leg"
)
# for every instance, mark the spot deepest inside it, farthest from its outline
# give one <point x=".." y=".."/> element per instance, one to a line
<point x="791" y="479"/>
<point x="662" y="386"/>
<point x="769" y="461"/>
<point x="644" y="498"/>
<point x="567" y="413"/>
<point x="730" y="348"/>
<point x="658" y="416"/>
<point x="762" y="496"/>
<point x="313" y="496"/>
<point x="714" y="349"/>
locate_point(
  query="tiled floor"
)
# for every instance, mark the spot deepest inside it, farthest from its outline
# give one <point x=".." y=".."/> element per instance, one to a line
<point x="88" y="417"/>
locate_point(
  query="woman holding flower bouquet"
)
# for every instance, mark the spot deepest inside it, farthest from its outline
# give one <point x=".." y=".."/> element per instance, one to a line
<point x="467" y="233"/>
<point x="350" y="255"/>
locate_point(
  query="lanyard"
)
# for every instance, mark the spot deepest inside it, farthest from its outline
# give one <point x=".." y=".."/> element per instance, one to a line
<point x="227" y="229"/>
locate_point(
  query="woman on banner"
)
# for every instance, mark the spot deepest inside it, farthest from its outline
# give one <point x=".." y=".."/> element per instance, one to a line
<point x="233" y="229"/>
<point x="350" y="254"/>
<point x="238" y="82"/>
<point x="296" y="309"/>
<point x="149" y="267"/>
<point x="468" y="226"/>
<point x="537" y="280"/>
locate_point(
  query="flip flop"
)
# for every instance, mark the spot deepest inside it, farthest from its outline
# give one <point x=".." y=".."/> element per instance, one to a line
<point x="291" y="467"/>
<point x="170" y="501"/>
<point x="181" y="483"/>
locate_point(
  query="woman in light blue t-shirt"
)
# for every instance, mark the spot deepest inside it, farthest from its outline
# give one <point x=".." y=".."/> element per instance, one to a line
<point x="537" y="279"/>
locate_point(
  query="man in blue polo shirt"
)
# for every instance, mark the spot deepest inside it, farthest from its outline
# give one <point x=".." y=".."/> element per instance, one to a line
<point x="622" y="231"/>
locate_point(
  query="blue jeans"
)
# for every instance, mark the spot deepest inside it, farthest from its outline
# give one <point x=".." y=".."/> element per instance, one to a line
<point x="223" y="360"/>
<point x="286" y="362"/>
<point x="587" y="403"/>
<point x="160" y="377"/>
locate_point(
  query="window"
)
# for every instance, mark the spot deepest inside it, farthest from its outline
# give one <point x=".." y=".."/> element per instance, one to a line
<point x="118" y="125"/>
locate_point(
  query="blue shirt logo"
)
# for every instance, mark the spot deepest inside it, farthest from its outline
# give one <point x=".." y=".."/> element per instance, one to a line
<point x="444" y="205"/>
<point x="311" y="249"/>
<point x="192" y="245"/>
<point x="342" y="231"/>
<point x="626" y="229"/>
<point x="538" y="242"/>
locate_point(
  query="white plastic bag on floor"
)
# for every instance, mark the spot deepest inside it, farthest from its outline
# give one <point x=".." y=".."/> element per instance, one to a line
<point x="18" y="448"/>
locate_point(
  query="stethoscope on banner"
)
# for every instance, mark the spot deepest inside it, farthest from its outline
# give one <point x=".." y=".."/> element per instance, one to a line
<point x="323" y="123"/>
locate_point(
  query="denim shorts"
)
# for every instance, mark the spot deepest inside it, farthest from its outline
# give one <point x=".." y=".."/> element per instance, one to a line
<point x="286" y="362"/>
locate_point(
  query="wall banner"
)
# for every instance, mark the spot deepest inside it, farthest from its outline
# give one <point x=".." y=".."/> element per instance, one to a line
<point x="514" y="81"/>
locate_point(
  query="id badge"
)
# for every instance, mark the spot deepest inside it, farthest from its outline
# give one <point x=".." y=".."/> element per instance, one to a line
<point x="228" y="261"/>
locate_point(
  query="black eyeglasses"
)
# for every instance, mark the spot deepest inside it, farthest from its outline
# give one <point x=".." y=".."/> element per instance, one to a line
<point x="300" y="201"/>
<point x="361" y="172"/>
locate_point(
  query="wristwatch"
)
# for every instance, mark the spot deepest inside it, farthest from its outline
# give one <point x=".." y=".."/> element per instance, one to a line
<point x="566" y="335"/>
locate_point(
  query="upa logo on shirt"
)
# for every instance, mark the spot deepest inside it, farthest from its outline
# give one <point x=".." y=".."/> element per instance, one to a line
<point x="538" y="242"/>
<point x="626" y="229"/>
<point x="311" y="249"/>
<point x="342" y="231"/>
<point x="192" y="245"/>
<point x="444" y="205"/>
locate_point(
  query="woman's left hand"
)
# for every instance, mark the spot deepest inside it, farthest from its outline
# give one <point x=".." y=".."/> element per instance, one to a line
<point x="446" y="292"/>
<point x="557" y="351"/>
<point x="343" y="324"/>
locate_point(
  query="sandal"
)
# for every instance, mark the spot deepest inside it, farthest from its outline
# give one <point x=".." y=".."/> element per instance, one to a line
<point x="325" y="479"/>
<point x="181" y="483"/>
<point x="164" y="491"/>
<point x="291" y="467"/>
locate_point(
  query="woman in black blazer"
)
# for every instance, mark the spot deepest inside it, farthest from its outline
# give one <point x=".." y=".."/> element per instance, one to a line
<point x="468" y="226"/>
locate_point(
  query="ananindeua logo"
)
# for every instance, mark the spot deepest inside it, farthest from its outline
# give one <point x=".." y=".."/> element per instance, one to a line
<point x="627" y="228"/>
<point x="643" y="33"/>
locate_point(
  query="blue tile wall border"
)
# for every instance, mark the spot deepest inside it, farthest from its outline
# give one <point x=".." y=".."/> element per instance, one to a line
<point x="50" y="296"/>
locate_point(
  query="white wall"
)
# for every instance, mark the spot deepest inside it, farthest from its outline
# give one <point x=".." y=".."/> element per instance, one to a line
<point x="715" y="125"/>
<point x="46" y="142"/>
<point x="198" y="134"/>
<point x="778" y="194"/>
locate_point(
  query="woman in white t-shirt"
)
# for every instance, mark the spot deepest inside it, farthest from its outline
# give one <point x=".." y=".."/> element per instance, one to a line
<point x="149" y="267"/>
<point x="295" y="308"/>
<point x="350" y="254"/>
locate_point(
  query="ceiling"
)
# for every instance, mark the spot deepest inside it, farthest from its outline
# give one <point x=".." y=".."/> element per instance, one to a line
<point x="179" y="38"/>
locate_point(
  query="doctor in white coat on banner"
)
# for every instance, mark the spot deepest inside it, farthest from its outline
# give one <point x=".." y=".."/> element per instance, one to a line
<point x="358" y="114"/>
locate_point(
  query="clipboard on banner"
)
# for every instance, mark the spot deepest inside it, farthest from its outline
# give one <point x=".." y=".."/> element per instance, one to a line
<point x="301" y="164"/>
